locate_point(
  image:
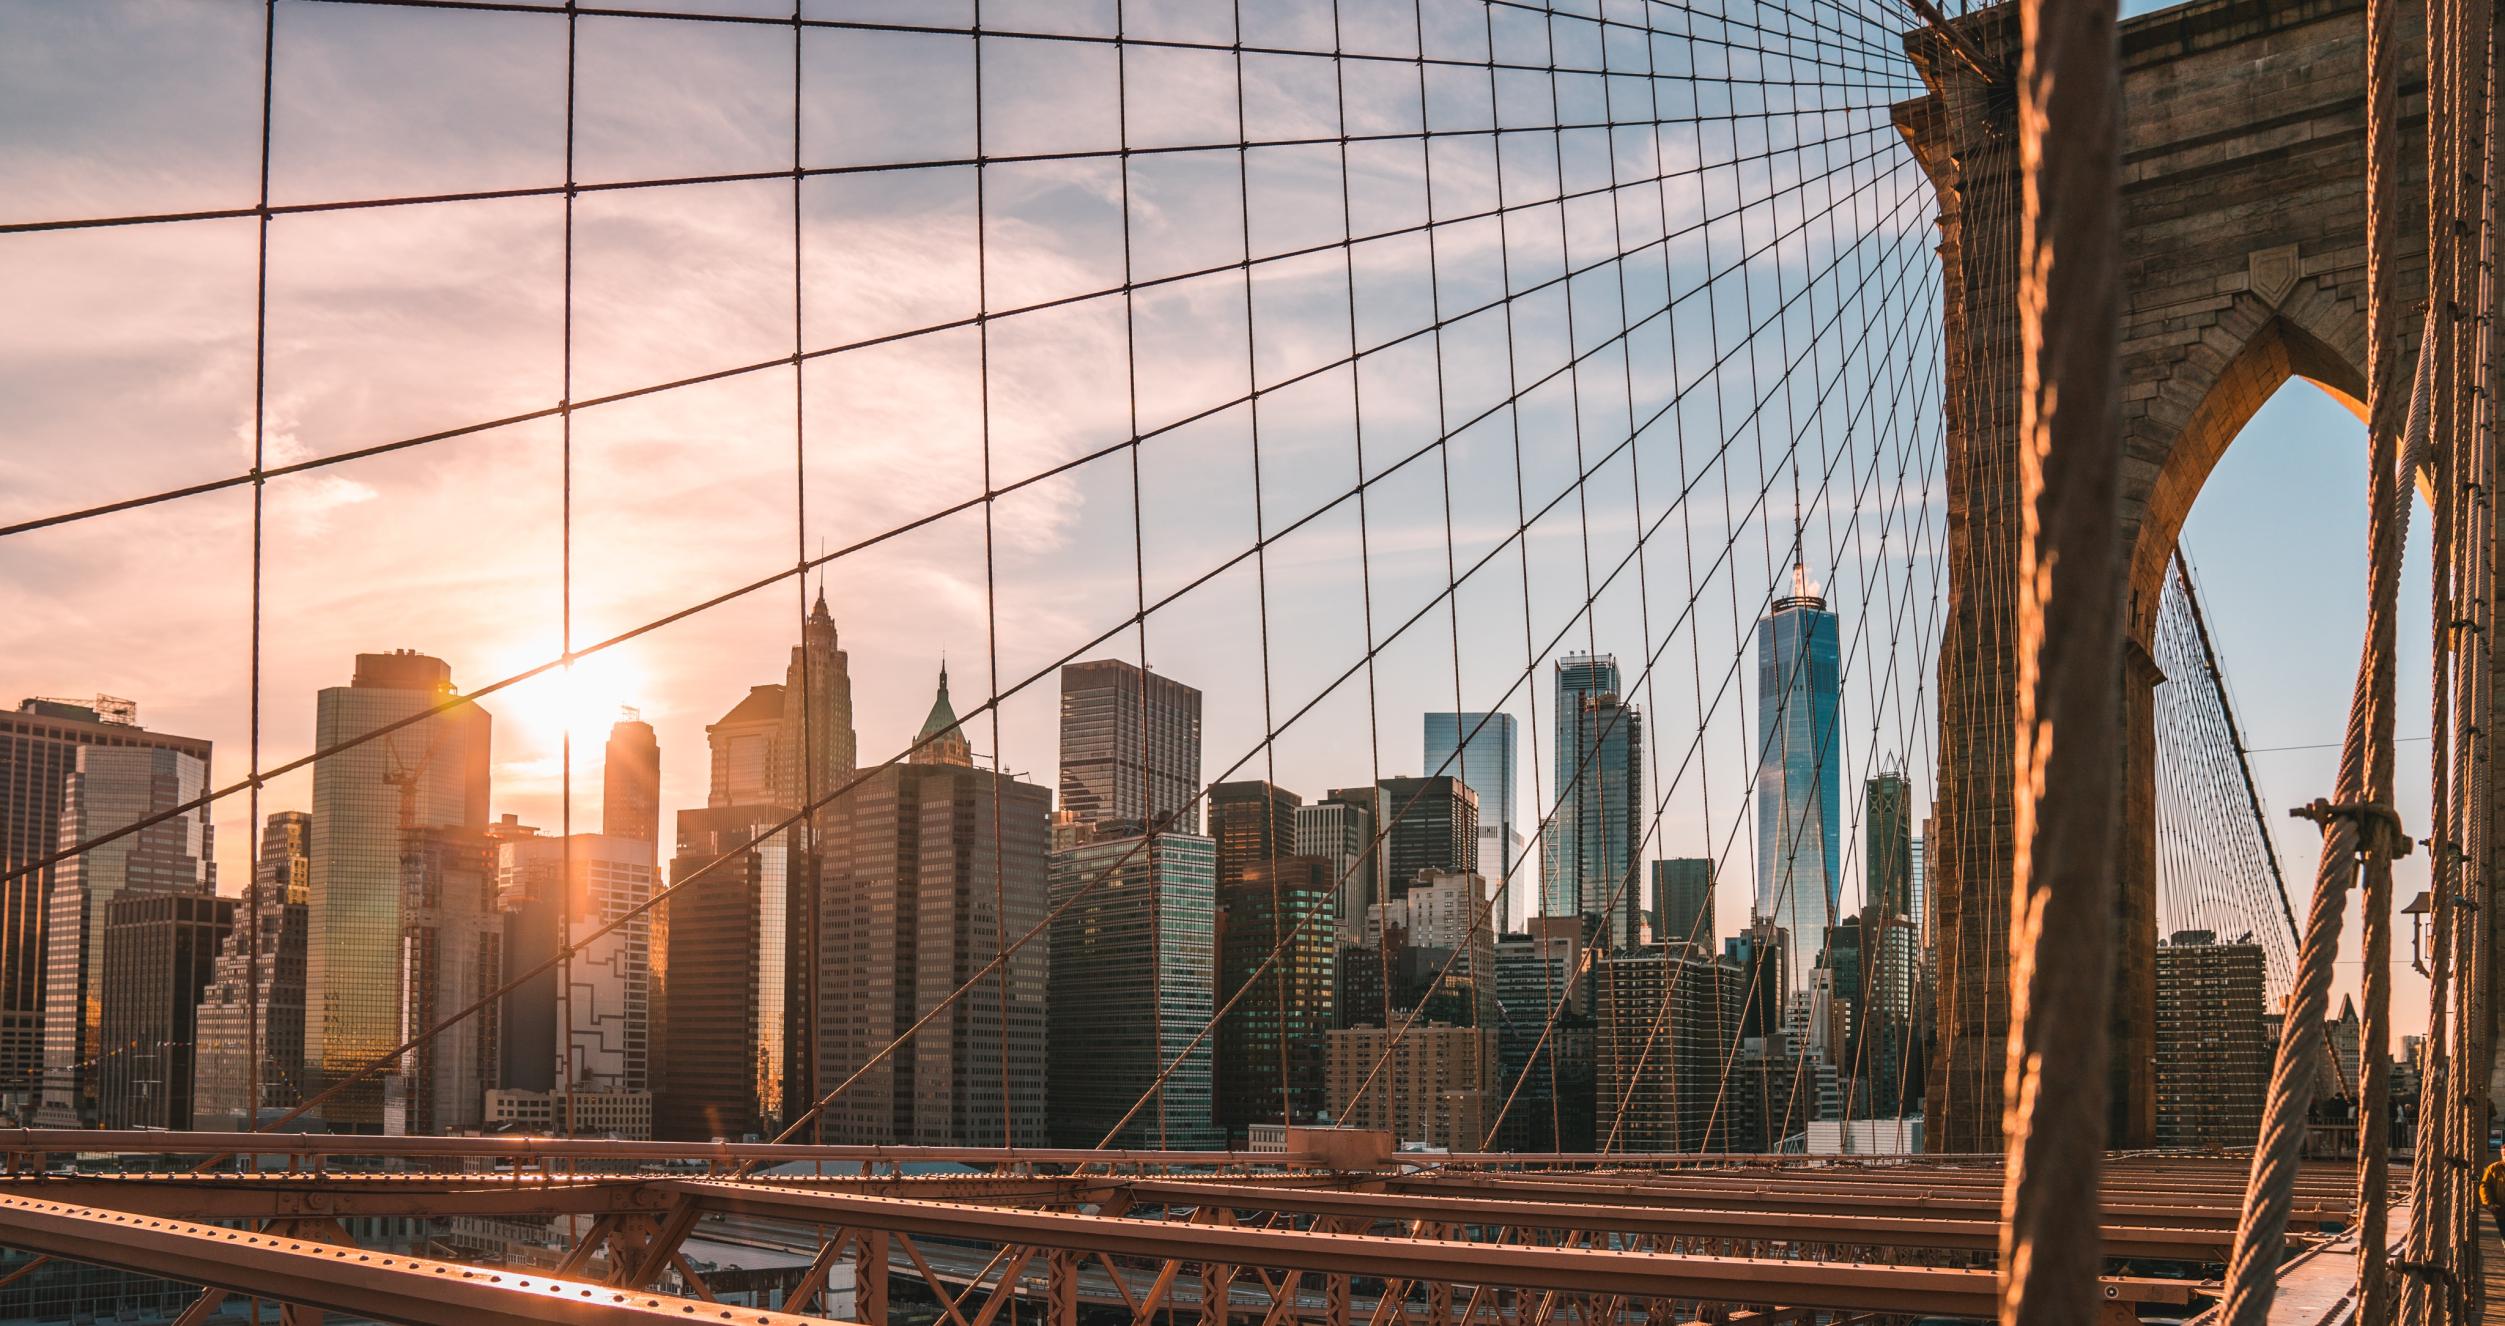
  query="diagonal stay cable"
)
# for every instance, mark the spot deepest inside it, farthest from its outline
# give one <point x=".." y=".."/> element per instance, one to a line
<point x="658" y="896"/>
<point x="823" y="559"/>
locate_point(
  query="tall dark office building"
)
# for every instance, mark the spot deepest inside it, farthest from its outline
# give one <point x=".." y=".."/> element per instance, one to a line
<point x="1133" y="978"/>
<point x="1682" y="903"/>
<point x="1876" y="961"/>
<point x="925" y="867"/>
<point x="1888" y="844"/>
<point x="1799" y="773"/>
<point x="1589" y="862"/>
<point x="630" y="783"/>
<point x="1130" y="746"/>
<point x="1434" y="830"/>
<point x="1545" y="1035"/>
<point x="1665" y="1023"/>
<point x="432" y="774"/>
<point x="273" y="992"/>
<point x="1253" y="823"/>
<point x="160" y="950"/>
<point x="1761" y="952"/>
<point x="39" y="745"/>
<point x="1278" y="1027"/>
<point x="717" y="1037"/>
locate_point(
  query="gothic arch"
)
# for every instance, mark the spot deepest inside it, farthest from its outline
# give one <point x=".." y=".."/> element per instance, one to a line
<point x="2238" y="365"/>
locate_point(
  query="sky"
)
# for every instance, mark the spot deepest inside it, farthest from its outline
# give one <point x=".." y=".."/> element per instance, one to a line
<point x="1751" y="192"/>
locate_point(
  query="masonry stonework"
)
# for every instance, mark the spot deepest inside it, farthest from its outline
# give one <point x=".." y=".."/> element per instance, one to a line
<point x="2244" y="250"/>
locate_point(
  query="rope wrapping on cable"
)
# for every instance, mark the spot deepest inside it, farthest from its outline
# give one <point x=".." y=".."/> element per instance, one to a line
<point x="2252" y="1277"/>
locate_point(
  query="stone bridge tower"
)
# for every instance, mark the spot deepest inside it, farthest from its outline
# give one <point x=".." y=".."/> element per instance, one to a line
<point x="2244" y="252"/>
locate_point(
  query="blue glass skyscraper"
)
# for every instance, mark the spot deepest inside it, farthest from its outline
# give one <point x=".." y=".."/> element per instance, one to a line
<point x="1587" y="864"/>
<point x="1481" y="753"/>
<point x="1799" y="773"/>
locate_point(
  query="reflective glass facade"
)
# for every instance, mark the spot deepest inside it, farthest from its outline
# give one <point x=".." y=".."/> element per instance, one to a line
<point x="109" y="787"/>
<point x="353" y="907"/>
<point x="222" y="1090"/>
<point x="1799" y="776"/>
<point x="1130" y="745"/>
<point x="1481" y="753"/>
<point x="1589" y="857"/>
<point x="39" y="745"/>
<point x="1133" y="975"/>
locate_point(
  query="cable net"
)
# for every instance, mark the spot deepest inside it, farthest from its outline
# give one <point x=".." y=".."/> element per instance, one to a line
<point x="1343" y="361"/>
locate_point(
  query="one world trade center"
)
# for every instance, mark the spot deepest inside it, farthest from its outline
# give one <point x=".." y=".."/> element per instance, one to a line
<point x="1799" y="761"/>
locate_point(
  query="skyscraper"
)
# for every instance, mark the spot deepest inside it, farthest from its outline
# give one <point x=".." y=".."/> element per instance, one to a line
<point x="2213" y="1060"/>
<point x="1682" y="903"/>
<point x="110" y="787"/>
<point x="1590" y="857"/>
<point x="815" y="748"/>
<point x="452" y="956"/>
<point x="1434" y="830"/>
<point x="1133" y="974"/>
<point x="222" y="1094"/>
<point x="1888" y="846"/>
<point x="742" y="744"/>
<point x="1799" y="772"/>
<point x="607" y="1008"/>
<point x="718" y="977"/>
<point x="159" y="951"/>
<point x="1254" y="826"/>
<point x="1270" y="1046"/>
<point x="1478" y="748"/>
<point x="39" y="744"/>
<point x="1544" y="1014"/>
<point x="370" y="802"/>
<point x="927" y="868"/>
<point x="1665" y="1022"/>
<point x="1340" y="829"/>
<point x="1881" y="1077"/>
<point x="1130" y="746"/>
<point x="1253" y="823"/>
<point x="630" y="783"/>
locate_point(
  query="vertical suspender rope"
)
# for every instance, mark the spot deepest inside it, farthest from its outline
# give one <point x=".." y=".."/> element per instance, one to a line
<point x="2260" y="1237"/>
<point x="2261" y="1234"/>
<point x="2069" y="653"/>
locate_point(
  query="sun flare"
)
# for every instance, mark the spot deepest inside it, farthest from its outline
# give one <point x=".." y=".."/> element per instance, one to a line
<point x="584" y="700"/>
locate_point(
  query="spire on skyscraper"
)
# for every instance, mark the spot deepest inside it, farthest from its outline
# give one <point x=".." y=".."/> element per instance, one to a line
<point x="946" y="741"/>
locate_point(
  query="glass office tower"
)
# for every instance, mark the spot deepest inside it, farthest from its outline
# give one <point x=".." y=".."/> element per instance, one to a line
<point x="1478" y="749"/>
<point x="1588" y="865"/>
<point x="1799" y="773"/>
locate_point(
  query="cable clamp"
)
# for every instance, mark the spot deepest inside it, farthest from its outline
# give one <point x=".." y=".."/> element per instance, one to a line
<point x="2429" y="1272"/>
<point x="2378" y="825"/>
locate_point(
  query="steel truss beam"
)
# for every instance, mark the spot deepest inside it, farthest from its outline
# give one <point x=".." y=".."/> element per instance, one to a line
<point x="1975" y="1235"/>
<point x="286" y="1196"/>
<point x="1564" y="1270"/>
<point x="333" y="1278"/>
<point x="1802" y="1195"/>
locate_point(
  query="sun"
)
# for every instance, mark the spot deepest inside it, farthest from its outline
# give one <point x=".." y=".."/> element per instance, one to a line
<point x="583" y="700"/>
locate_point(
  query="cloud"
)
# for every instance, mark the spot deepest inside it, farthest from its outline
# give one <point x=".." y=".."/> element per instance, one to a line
<point x="131" y="366"/>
